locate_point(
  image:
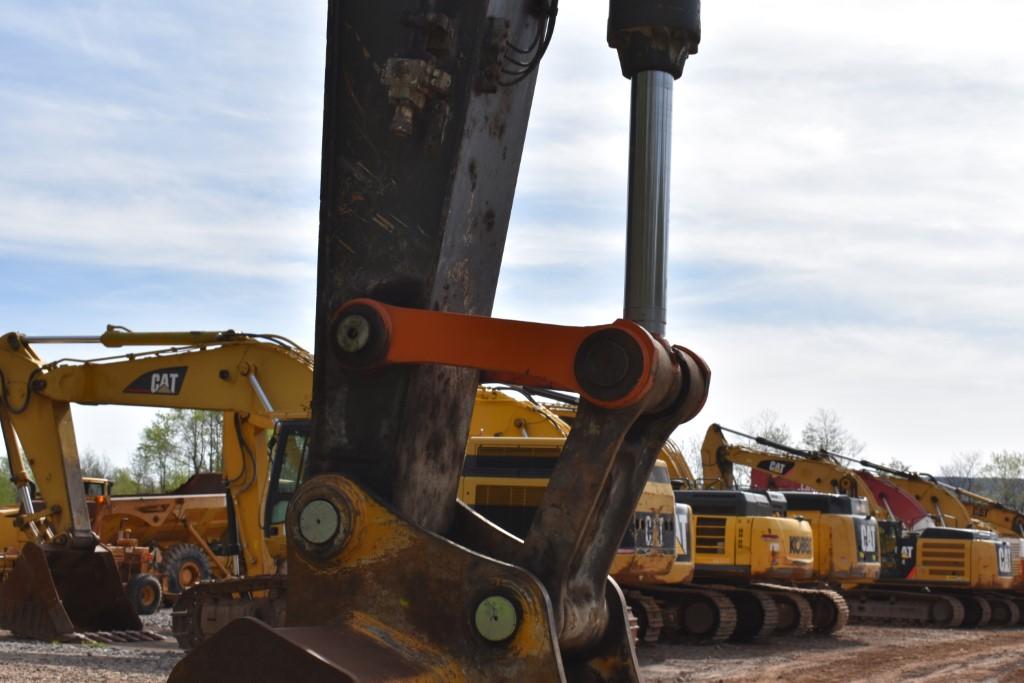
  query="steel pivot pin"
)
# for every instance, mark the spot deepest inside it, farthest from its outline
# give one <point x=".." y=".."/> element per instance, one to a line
<point x="319" y="521"/>
<point x="496" y="618"/>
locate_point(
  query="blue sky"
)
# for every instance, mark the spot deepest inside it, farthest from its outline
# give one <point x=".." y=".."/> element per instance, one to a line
<point x="846" y="211"/>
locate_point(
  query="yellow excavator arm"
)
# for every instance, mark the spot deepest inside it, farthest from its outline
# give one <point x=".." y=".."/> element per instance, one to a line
<point x="254" y="380"/>
<point x="718" y="457"/>
<point x="950" y="506"/>
<point x="1006" y="520"/>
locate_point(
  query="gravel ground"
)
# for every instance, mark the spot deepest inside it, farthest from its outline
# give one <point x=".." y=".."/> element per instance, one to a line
<point x="859" y="653"/>
<point x="158" y="623"/>
<point x="33" y="661"/>
<point x="24" y="660"/>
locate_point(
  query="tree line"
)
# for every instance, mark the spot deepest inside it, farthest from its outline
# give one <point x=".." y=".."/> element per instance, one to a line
<point x="179" y="443"/>
<point x="175" y="445"/>
<point x="998" y="475"/>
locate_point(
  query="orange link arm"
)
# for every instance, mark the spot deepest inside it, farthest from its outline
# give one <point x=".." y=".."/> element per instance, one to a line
<point x="609" y="365"/>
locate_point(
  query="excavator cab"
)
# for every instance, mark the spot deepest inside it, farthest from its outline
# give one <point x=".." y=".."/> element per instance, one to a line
<point x="96" y="488"/>
<point x="289" y="447"/>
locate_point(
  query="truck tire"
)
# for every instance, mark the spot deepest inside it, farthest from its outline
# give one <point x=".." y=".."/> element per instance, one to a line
<point x="184" y="565"/>
<point x="145" y="593"/>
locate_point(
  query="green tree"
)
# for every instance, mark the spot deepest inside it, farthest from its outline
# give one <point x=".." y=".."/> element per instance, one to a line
<point x="7" y="491"/>
<point x="174" y="446"/>
<point x="1006" y="469"/>
<point x="825" y="432"/>
<point x="198" y="436"/>
<point x="94" y="465"/>
<point x="123" y="483"/>
<point x="156" y="462"/>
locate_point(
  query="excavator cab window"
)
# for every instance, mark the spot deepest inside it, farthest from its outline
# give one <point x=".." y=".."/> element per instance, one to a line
<point x="290" y="444"/>
<point x="897" y="549"/>
<point x="96" y="488"/>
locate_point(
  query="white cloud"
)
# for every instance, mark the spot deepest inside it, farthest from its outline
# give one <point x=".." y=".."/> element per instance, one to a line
<point x="846" y="219"/>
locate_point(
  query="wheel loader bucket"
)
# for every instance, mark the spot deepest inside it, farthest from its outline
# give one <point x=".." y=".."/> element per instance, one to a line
<point x="59" y="594"/>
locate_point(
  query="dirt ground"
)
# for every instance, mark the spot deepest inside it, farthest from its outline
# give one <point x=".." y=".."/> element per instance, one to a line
<point x="860" y="653"/>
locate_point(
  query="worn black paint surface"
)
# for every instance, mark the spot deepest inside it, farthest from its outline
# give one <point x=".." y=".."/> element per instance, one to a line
<point x="417" y="221"/>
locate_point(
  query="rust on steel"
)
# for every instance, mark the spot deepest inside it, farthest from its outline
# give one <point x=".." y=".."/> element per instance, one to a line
<point x="415" y="220"/>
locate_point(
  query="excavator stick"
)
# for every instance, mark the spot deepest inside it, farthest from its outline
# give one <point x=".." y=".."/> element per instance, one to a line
<point x="68" y="595"/>
<point x="389" y="578"/>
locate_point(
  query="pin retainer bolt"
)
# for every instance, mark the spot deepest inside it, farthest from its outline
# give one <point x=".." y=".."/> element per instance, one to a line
<point x="353" y="333"/>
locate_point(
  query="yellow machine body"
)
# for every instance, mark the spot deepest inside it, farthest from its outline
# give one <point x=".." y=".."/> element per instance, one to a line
<point x="512" y="449"/>
<point x="845" y="546"/>
<point x="977" y="563"/>
<point x="753" y="548"/>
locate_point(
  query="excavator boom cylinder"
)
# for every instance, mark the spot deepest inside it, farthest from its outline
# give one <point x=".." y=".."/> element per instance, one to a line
<point x="653" y="38"/>
<point x="650" y="152"/>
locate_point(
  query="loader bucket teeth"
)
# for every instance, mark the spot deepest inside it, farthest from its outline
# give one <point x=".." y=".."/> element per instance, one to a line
<point x="53" y="594"/>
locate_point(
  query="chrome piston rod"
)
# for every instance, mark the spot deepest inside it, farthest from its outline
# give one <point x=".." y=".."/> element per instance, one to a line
<point x="650" y="155"/>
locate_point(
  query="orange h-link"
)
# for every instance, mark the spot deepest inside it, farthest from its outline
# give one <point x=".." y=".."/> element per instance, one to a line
<point x="612" y="366"/>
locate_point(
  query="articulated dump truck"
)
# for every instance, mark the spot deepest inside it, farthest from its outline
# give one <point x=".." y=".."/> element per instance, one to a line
<point x="188" y="528"/>
<point x="930" y="575"/>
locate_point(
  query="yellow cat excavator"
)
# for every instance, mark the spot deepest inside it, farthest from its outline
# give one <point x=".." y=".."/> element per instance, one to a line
<point x="257" y="380"/>
<point x="743" y="553"/>
<point x="950" y="506"/>
<point x="513" y="448"/>
<point x="389" y="576"/>
<point x="936" y="576"/>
